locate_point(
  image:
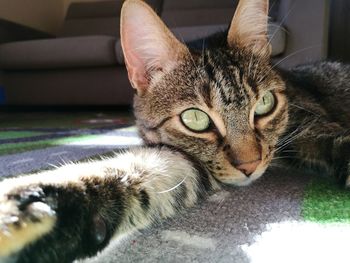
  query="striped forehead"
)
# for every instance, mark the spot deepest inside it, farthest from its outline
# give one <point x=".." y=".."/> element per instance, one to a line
<point x="229" y="79"/>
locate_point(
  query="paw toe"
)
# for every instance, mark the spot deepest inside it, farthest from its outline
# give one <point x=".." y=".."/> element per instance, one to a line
<point x="22" y="225"/>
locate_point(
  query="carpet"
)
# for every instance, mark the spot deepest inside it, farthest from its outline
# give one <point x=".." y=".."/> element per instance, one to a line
<point x="286" y="216"/>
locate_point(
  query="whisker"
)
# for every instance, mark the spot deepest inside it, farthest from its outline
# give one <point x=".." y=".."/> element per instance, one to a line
<point x="274" y="33"/>
<point x="291" y="55"/>
<point x="302" y="108"/>
<point x="287" y="142"/>
<point x="283" y="157"/>
<point x="291" y="137"/>
<point x="281" y="23"/>
<point x="290" y="151"/>
<point x="276" y="165"/>
<point x="202" y="54"/>
<point x="173" y="188"/>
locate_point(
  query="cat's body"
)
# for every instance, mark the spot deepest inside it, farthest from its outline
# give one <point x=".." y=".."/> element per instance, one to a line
<point x="221" y="114"/>
<point x="319" y="99"/>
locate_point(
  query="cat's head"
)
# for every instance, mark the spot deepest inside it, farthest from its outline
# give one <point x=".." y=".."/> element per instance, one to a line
<point x="225" y="107"/>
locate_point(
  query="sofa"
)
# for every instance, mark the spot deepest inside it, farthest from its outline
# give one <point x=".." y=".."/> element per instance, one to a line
<point x="83" y="64"/>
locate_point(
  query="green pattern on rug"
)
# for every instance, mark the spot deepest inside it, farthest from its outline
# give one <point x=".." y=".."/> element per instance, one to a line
<point x="63" y="120"/>
<point x="18" y="134"/>
<point x="10" y="148"/>
<point x="326" y="202"/>
<point x="21" y="132"/>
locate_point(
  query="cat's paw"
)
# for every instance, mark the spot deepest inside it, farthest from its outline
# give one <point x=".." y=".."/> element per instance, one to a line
<point x="25" y="216"/>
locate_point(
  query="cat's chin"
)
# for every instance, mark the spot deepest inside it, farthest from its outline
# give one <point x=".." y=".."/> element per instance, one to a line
<point x="237" y="182"/>
<point x="242" y="180"/>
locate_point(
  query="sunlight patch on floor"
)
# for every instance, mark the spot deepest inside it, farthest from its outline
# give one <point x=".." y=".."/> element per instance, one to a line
<point x="186" y="239"/>
<point x="301" y="242"/>
<point x="109" y="139"/>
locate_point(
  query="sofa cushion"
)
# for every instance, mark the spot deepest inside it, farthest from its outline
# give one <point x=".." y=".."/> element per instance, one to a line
<point x="80" y="10"/>
<point x="107" y="26"/>
<point x="197" y="17"/>
<point x="197" y="4"/>
<point x="276" y="33"/>
<point x="172" y="5"/>
<point x="189" y="34"/>
<point x="59" y="53"/>
<point x="107" y="8"/>
<point x="96" y="18"/>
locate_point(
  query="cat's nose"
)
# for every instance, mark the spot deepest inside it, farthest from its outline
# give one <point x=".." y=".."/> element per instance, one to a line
<point x="249" y="167"/>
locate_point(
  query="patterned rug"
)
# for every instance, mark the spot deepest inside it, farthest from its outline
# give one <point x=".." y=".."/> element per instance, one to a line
<point x="34" y="141"/>
<point x="287" y="216"/>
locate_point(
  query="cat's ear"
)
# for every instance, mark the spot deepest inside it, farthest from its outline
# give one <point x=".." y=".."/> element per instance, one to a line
<point x="249" y="27"/>
<point x="148" y="45"/>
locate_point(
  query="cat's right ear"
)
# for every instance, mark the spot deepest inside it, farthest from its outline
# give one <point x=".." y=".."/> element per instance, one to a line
<point x="148" y="45"/>
<point x="249" y="25"/>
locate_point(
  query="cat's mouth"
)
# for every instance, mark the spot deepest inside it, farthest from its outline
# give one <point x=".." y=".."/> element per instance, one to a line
<point x="239" y="179"/>
<point x="233" y="176"/>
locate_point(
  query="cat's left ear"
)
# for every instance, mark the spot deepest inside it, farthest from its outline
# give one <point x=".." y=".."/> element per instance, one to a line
<point x="249" y="25"/>
<point x="148" y="45"/>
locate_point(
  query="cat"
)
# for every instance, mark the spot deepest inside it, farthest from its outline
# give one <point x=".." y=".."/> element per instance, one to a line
<point x="209" y="117"/>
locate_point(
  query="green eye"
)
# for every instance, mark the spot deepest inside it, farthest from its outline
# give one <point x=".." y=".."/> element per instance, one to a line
<point x="265" y="104"/>
<point x="195" y="120"/>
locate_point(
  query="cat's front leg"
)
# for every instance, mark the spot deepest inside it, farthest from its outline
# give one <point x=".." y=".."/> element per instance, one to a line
<point x="340" y="153"/>
<point x="25" y="215"/>
<point x="325" y="145"/>
<point x="60" y="215"/>
<point x="72" y="212"/>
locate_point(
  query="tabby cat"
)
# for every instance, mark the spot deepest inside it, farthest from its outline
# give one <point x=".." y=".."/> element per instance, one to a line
<point x="219" y="115"/>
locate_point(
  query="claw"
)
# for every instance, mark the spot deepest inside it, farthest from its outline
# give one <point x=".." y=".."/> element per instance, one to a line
<point x="21" y="228"/>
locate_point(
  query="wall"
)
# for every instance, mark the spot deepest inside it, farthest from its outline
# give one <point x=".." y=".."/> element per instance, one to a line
<point x="44" y="15"/>
<point x="340" y="31"/>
